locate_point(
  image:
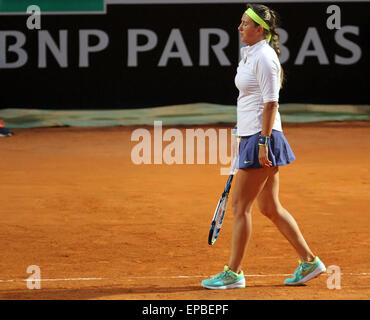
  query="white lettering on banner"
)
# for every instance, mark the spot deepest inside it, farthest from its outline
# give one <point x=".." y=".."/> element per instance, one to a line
<point x="60" y="53"/>
<point x="284" y="51"/>
<point x="20" y="40"/>
<point x="217" y="48"/>
<point x="349" y="45"/>
<point x="13" y="54"/>
<point x="175" y="38"/>
<point x="85" y="49"/>
<point x="134" y="47"/>
<point x="312" y="37"/>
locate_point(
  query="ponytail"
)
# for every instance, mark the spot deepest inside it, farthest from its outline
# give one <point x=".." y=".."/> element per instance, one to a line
<point x="274" y="43"/>
<point x="272" y="19"/>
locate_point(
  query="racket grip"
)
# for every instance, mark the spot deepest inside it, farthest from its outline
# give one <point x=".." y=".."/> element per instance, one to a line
<point x="234" y="167"/>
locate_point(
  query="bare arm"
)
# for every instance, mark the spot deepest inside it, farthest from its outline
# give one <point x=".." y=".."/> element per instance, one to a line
<point x="268" y="118"/>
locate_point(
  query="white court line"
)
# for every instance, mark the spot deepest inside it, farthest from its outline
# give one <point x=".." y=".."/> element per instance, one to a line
<point x="165" y="277"/>
<point x="50" y="280"/>
<point x="246" y="275"/>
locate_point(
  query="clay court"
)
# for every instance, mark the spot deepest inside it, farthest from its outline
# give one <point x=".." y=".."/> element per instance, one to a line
<point x="101" y="227"/>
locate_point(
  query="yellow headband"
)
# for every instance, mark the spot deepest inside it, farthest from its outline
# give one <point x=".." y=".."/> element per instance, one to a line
<point x="255" y="17"/>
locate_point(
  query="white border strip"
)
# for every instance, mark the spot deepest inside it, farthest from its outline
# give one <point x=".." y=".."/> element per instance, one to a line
<point x="53" y="280"/>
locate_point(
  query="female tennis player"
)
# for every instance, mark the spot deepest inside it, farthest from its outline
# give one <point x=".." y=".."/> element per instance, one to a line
<point x="263" y="148"/>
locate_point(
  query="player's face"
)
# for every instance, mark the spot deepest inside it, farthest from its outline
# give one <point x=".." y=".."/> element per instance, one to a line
<point x="249" y="32"/>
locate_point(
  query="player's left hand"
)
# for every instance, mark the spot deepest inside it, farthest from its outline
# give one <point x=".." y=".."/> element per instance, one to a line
<point x="263" y="157"/>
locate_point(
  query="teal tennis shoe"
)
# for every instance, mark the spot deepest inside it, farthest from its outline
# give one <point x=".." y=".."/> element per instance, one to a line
<point x="306" y="271"/>
<point x="227" y="279"/>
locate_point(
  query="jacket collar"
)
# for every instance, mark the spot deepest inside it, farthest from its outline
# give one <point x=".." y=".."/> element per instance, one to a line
<point x="249" y="51"/>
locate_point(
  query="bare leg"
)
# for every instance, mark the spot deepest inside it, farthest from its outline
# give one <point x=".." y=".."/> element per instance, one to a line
<point x="269" y="204"/>
<point x="248" y="184"/>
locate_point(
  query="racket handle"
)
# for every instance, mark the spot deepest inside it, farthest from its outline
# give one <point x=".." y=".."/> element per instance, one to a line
<point x="234" y="167"/>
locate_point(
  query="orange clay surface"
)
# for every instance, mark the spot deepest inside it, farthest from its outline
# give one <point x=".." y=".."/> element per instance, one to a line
<point x="73" y="203"/>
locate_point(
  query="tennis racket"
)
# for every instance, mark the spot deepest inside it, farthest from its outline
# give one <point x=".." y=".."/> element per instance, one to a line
<point x="218" y="216"/>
